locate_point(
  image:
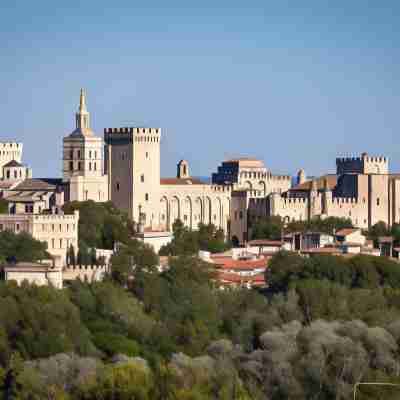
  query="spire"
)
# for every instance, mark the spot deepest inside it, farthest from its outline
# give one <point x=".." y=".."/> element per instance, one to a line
<point x="82" y="116"/>
<point x="82" y="102"/>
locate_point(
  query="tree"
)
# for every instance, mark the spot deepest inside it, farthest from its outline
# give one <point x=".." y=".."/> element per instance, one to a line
<point x="3" y="206"/>
<point x="267" y="228"/>
<point x="71" y="260"/>
<point x="21" y="247"/>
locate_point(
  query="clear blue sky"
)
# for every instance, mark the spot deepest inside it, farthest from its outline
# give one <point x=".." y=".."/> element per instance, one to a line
<point x="295" y="85"/>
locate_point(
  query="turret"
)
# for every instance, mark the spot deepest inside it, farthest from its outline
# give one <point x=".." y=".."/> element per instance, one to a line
<point x="183" y="169"/>
<point x="301" y="177"/>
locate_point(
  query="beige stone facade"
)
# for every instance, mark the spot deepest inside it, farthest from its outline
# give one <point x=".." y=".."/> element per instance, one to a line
<point x="363" y="190"/>
<point x="9" y="151"/>
<point x="83" y="161"/>
<point x="33" y="273"/>
<point x="59" y="231"/>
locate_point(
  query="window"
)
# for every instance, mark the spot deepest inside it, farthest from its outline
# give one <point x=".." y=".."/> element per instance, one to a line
<point x="71" y="165"/>
<point x="79" y="154"/>
<point x="377" y="201"/>
<point x="95" y="154"/>
<point x="1" y="227"/>
<point x="52" y="227"/>
<point x="117" y="186"/>
<point x="17" y="227"/>
<point x="60" y="228"/>
<point x="241" y="215"/>
<point x="15" y="174"/>
<point x="79" y="166"/>
<point x="52" y="243"/>
<point x="142" y="178"/>
<point x="94" y="165"/>
<point x="8" y="174"/>
<point x="90" y="166"/>
<point x="71" y="154"/>
<point x="90" y="153"/>
<point x="60" y="243"/>
<point x="146" y="197"/>
<point x="147" y="154"/>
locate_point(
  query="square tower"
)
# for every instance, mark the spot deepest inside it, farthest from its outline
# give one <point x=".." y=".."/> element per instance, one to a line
<point x="132" y="162"/>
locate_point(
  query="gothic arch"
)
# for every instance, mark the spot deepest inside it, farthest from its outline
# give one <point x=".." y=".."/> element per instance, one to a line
<point x="248" y="185"/>
<point x="187" y="212"/>
<point x="175" y="209"/>
<point x="164" y="217"/>
<point x="263" y="187"/>
<point x="219" y="213"/>
<point x="207" y="211"/>
<point x="197" y="212"/>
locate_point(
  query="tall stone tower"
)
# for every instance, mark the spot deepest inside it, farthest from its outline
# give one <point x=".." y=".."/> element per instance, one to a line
<point x="83" y="160"/>
<point x="133" y="168"/>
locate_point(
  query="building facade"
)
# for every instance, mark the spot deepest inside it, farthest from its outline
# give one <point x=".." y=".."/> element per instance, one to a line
<point x="83" y="160"/>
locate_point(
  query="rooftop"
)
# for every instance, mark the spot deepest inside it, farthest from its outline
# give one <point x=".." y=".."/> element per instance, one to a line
<point x="13" y="163"/>
<point x="330" y="179"/>
<point x="347" y="231"/>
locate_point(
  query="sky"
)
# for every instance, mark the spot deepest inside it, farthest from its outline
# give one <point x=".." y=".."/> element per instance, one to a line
<point x="294" y="83"/>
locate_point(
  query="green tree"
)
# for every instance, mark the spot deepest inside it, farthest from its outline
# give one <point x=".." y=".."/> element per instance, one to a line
<point x="267" y="228"/>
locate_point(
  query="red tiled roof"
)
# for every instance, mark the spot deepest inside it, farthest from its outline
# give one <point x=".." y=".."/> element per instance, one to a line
<point x="181" y="181"/>
<point x="230" y="263"/>
<point x="229" y="277"/>
<point x="346" y="231"/>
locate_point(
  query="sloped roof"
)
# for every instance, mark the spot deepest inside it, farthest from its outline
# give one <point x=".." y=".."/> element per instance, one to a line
<point x="39" y="184"/>
<point x="306" y="186"/>
<point x="13" y="163"/>
<point x="347" y="231"/>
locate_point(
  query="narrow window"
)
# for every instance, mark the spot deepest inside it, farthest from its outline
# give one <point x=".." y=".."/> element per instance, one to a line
<point x="142" y="178"/>
<point x="71" y="165"/>
<point x="90" y="166"/>
<point x="117" y="186"/>
<point x="146" y="197"/>
<point x="377" y="201"/>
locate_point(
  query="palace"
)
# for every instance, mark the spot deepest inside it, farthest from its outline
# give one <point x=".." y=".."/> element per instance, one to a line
<point x="125" y="169"/>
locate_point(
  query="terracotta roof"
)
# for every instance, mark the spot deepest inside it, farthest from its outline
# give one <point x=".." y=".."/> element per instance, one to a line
<point x="230" y="263"/>
<point x="181" y="181"/>
<point x="230" y="277"/>
<point x="306" y="186"/>
<point x="38" y="184"/>
<point x="346" y="231"/>
<point x="265" y="243"/>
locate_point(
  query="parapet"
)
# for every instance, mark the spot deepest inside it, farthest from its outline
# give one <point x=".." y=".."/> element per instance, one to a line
<point x="362" y="165"/>
<point x="131" y="134"/>
<point x="11" y="145"/>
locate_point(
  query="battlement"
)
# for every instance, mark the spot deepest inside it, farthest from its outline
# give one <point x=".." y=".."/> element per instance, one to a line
<point x="132" y="130"/>
<point x="344" y="200"/>
<point x="11" y="146"/>
<point x="280" y="177"/>
<point x="221" y="188"/>
<point x="362" y="165"/>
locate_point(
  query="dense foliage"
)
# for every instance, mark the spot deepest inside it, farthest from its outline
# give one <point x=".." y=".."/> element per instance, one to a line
<point x="273" y="227"/>
<point x="3" y="206"/>
<point x="189" y="242"/>
<point x="101" y="225"/>
<point x="21" y="247"/>
<point x="326" y="323"/>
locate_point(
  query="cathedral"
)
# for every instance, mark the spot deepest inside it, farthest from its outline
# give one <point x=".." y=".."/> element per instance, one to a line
<point x="124" y="168"/>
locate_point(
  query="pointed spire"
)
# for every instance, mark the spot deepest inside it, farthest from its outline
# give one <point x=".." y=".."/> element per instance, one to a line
<point x="82" y="116"/>
<point x="82" y="102"/>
